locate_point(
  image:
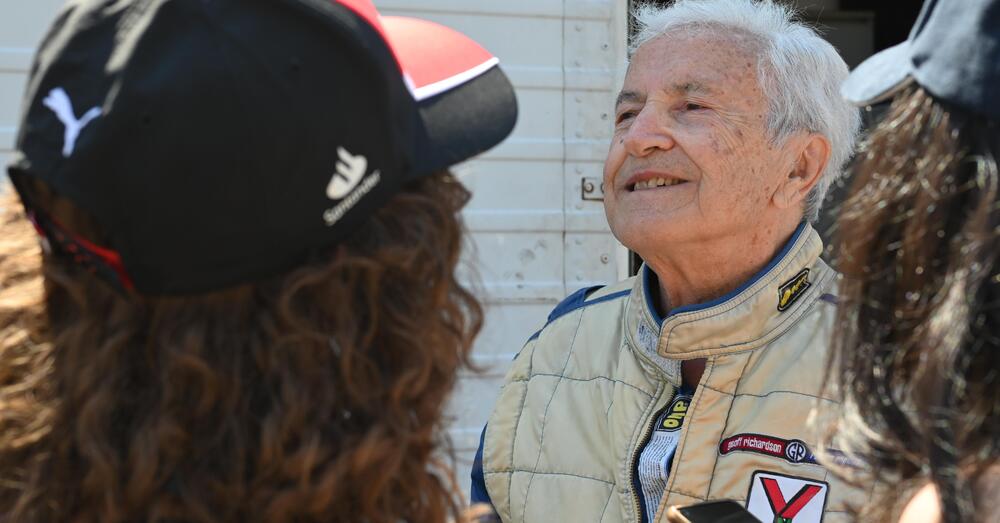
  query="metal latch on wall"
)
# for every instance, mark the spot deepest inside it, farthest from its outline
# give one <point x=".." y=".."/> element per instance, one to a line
<point x="593" y="189"/>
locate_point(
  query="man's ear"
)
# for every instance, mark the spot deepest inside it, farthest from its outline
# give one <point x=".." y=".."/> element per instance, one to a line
<point x="813" y="156"/>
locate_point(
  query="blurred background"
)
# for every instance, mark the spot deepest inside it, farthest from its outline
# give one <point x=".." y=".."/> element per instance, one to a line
<point x="536" y="220"/>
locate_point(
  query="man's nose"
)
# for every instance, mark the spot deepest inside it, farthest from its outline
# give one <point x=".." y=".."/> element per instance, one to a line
<point x="649" y="132"/>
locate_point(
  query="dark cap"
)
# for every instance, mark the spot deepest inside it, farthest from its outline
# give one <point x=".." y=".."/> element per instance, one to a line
<point x="221" y="142"/>
<point x="953" y="52"/>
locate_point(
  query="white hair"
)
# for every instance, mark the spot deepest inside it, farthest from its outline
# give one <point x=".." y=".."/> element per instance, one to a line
<point x="799" y="72"/>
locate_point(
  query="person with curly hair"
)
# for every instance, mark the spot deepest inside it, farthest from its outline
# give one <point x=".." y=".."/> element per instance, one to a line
<point x="244" y="306"/>
<point x="917" y="344"/>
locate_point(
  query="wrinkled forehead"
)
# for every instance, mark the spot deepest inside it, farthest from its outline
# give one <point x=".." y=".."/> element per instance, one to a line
<point x="719" y="60"/>
<point x="709" y="37"/>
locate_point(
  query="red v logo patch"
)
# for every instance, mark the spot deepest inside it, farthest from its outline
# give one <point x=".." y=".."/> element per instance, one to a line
<point x="786" y="511"/>
<point x="767" y="498"/>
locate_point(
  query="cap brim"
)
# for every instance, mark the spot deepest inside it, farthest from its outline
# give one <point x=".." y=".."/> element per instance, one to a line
<point x="879" y="77"/>
<point x="466" y="103"/>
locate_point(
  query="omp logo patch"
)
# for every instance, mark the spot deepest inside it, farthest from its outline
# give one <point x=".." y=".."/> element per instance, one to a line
<point x="673" y="418"/>
<point x="793" y="289"/>
<point x="786" y="499"/>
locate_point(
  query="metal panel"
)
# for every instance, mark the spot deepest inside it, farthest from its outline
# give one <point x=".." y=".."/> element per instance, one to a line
<point x="24" y="22"/>
<point x="595" y="48"/>
<point x="11" y="92"/>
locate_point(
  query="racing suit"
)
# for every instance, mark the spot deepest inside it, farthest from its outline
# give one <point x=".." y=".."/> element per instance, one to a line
<point x="580" y="402"/>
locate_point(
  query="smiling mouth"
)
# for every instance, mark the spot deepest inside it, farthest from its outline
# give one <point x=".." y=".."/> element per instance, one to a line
<point x="656" y="183"/>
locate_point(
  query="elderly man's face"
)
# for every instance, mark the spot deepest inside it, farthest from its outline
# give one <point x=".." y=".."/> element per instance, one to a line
<point x="690" y="160"/>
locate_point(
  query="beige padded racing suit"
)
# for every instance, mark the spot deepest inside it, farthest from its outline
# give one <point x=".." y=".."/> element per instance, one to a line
<point x="579" y="401"/>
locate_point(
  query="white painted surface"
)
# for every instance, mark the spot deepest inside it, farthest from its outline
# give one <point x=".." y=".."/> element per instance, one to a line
<point x="533" y="238"/>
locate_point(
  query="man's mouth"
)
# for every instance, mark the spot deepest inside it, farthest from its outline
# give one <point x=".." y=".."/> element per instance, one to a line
<point x="655" y="183"/>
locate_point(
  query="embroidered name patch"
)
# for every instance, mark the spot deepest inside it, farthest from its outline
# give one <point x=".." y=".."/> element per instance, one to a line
<point x="793" y="289"/>
<point x="786" y="499"/>
<point x="791" y="450"/>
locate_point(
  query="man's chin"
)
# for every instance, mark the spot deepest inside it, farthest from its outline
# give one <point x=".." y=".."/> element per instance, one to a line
<point x="652" y="237"/>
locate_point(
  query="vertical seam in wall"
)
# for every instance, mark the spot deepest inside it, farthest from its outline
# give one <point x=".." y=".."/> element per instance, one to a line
<point x="565" y="164"/>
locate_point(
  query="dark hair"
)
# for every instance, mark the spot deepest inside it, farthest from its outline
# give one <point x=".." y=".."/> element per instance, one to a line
<point x="317" y="395"/>
<point x="916" y="350"/>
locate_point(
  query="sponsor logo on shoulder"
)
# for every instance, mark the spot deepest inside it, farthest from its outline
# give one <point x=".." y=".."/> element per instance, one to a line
<point x="793" y="289"/>
<point x="779" y="498"/>
<point x="791" y="450"/>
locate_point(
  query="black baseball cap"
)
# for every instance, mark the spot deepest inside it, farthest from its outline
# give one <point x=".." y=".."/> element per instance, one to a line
<point x="221" y="142"/>
<point x="953" y="52"/>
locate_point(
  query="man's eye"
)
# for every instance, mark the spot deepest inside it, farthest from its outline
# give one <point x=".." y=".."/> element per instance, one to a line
<point x="626" y="115"/>
<point x="691" y="106"/>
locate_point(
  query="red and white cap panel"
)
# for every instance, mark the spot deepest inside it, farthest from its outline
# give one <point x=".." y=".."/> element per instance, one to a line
<point x="434" y="58"/>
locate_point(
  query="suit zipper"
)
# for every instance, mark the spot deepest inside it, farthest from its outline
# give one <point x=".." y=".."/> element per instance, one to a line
<point x="685" y="429"/>
<point x="634" y="462"/>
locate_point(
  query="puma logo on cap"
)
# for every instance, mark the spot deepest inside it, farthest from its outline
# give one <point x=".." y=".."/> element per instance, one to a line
<point x="58" y="100"/>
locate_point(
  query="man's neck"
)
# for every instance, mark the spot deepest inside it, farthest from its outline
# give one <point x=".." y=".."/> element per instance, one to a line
<point x="709" y="270"/>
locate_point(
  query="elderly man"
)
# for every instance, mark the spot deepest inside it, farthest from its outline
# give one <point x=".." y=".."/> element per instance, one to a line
<point x="692" y="381"/>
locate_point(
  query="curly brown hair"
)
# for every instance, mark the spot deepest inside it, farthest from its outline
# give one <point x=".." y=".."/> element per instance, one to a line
<point x="316" y="395"/>
<point x="917" y="345"/>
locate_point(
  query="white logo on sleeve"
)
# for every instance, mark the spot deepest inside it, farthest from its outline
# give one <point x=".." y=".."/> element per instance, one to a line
<point x="350" y="170"/>
<point x="59" y="102"/>
<point x="786" y="499"/>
